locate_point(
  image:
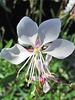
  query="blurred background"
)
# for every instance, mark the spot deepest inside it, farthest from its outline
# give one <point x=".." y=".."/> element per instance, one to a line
<point x="11" y="11"/>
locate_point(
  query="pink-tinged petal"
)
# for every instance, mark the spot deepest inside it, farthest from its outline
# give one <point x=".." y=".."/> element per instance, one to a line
<point x="15" y="55"/>
<point x="49" y="30"/>
<point x="37" y="43"/>
<point x="27" y="29"/>
<point x="46" y="87"/>
<point x="60" y="48"/>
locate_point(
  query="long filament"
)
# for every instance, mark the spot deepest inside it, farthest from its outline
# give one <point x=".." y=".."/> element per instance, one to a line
<point x="23" y="66"/>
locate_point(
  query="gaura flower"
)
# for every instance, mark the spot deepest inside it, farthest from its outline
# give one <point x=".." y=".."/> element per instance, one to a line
<point x="69" y="6"/>
<point x="43" y="40"/>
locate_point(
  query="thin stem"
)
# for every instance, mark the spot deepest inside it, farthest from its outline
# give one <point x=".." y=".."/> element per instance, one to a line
<point x="66" y="24"/>
<point x="69" y="26"/>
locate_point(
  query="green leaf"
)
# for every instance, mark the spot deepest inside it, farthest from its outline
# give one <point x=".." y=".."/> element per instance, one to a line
<point x="52" y="12"/>
<point x="56" y="65"/>
<point x="23" y="93"/>
<point x="9" y="44"/>
<point x="6" y="80"/>
<point x="70" y="95"/>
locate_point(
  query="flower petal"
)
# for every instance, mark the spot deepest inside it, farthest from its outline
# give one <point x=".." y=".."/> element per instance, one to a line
<point x="16" y="54"/>
<point x="49" y="30"/>
<point x="46" y="87"/>
<point x="47" y="60"/>
<point x="60" y="48"/>
<point x="26" y="28"/>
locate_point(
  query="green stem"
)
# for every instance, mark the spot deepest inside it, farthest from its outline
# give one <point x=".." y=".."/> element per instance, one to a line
<point x="66" y="23"/>
<point x="69" y="26"/>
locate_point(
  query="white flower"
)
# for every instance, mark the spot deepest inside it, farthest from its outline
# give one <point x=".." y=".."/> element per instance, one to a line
<point x="43" y="40"/>
<point x="69" y="6"/>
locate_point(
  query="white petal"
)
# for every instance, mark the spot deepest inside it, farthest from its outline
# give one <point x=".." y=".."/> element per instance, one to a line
<point x="46" y="87"/>
<point x="26" y="28"/>
<point x="33" y="39"/>
<point x="16" y="54"/>
<point x="47" y="60"/>
<point x="24" y="40"/>
<point x="60" y="48"/>
<point x="49" y="30"/>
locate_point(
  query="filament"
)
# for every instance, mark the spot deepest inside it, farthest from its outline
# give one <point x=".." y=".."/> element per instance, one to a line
<point x="23" y="66"/>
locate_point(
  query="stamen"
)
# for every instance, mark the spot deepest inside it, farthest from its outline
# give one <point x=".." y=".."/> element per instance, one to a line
<point x="32" y="69"/>
<point x="30" y="76"/>
<point x="44" y="63"/>
<point x="23" y="66"/>
<point x="37" y="66"/>
<point x="33" y="64"/>
<point x="29" y="66"/>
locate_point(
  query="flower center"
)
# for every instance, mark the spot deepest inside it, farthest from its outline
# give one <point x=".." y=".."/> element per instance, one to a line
<point x="37" y="43"/>
<point x="36" y="51"/>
